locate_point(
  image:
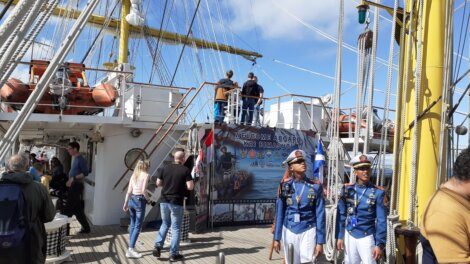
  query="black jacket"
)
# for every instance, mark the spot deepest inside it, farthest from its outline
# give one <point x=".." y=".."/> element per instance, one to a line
<point x="40" y="210"/>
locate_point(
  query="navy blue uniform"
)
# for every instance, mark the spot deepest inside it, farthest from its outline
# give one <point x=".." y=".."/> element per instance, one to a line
<point x="361" y="211"/>
<point x="310" y="210"/>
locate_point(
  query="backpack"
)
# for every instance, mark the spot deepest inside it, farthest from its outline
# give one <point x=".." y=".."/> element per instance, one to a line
<point x="13" y="219"/>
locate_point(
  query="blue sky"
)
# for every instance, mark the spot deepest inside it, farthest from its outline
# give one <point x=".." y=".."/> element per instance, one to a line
<point x="281" y="30"/>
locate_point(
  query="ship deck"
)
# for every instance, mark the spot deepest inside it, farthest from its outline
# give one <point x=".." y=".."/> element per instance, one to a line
<point x="108" y="244"/>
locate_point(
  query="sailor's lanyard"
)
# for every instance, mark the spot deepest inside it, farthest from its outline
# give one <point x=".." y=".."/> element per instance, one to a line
<point x="357" y="201"/>
<point x="297" y="197"/>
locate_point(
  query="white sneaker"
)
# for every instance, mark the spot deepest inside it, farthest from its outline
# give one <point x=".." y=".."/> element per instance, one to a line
<point x="133" y="254"/>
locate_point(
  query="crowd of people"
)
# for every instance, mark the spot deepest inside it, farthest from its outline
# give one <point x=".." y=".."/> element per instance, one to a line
<point x="26" y="188"/>
<point x="251" y="95"/>
<point x="299" y="215"/>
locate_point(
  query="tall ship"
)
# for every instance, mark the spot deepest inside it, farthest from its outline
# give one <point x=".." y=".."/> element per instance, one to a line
<point x="136" y="79"/>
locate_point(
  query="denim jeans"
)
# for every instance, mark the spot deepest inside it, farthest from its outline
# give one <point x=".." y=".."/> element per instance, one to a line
<point x="136" y="205"/>
<point x="247" y="111"/>
<point x="172" y="214"/>
<point x="256" y="119"/>
<point x="219" y="111"/>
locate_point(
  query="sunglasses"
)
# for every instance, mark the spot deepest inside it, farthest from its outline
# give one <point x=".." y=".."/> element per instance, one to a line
<point x="298" y="161"/>
<point x="362" y="168"/>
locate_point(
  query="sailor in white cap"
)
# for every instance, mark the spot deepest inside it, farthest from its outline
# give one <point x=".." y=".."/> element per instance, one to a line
<point x="300" y="212"/>
<point x="362" y="213"/>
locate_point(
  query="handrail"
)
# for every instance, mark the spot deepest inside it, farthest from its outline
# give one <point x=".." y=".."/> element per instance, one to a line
<point x="178" y="117"/>
<point x="155" y="134"/>
<point x="161" y="86"/>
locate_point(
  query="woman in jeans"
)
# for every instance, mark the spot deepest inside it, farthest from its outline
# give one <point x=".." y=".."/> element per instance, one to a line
<point x="135" y="202"/>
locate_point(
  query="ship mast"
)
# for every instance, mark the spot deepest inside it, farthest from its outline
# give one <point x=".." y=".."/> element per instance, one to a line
<point x="124" y="34"/>
<point x="421" y="118"/>
<point x="419" y="163"/>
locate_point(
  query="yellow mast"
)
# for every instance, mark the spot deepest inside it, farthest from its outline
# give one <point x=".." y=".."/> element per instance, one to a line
<point x="124" y="34"/>
<point x="433" y="30"/>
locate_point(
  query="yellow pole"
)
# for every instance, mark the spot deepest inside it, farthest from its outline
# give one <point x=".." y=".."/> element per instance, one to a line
<point x="124" y="35"/>
<point x="431" y="88"/>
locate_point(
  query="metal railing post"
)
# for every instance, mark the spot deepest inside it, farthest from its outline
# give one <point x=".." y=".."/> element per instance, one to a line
<point x="311" y="114"/>
<point x="221" y="258"/>
<point x="264" y="112"/>
<point x="290" y="254"/>
<point x="237" y="107"/>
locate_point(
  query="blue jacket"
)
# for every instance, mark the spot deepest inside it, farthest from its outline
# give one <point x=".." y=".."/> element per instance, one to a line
<point x="371" y="212"/>
<point x="311" y="209"/>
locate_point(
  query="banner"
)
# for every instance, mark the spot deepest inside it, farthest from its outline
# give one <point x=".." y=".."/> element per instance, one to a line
<point x="248" y="160"/>
<point x="238" y="212"/>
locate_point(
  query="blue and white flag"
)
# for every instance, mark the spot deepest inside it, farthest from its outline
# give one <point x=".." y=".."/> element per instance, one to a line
<point x="319" y="162"/>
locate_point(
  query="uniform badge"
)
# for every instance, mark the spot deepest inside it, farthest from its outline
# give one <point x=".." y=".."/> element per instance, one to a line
<point x="350" y="210"/>
<point x="289" y="201"/>
<point x="371" y="196"/>
<point x="311" y="194"/>
<point x="368" y="201"/>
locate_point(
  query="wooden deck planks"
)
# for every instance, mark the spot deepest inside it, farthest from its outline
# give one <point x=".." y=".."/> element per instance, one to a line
<point x="108" y="245"/>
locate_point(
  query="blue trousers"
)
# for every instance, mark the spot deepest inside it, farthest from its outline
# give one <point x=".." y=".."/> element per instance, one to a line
<point x="219" y="111"/>
<point x="172" y="215"/>
<point x="247" y="111"/>
<point x="137" y="205"/>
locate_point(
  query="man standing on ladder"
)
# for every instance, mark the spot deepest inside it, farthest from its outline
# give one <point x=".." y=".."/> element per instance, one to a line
<point x="362" y="213"/>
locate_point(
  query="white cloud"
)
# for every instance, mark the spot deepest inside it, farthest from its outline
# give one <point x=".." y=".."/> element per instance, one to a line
<point x="272" y="21"/>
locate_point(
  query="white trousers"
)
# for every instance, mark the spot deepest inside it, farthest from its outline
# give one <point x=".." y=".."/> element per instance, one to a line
<point x="358" y="250"/>
<point x="304" y="245"/>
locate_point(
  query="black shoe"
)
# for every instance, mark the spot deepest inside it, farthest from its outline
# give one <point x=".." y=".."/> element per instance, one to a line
<point x="156" y="252"/>
<point x="84" y="231"/>
<point x="176" y="257"/>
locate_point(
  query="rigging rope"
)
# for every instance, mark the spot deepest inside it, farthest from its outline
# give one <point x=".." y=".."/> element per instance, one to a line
<point x="370" y="99"/>
<point x="100" y="35"/>
<point x="5" y="8"/>
<point x="457" y="70"/>
<point x="23" y="29"/>
<point x="414" y="159"/>
<point x="184" y="44"/>
<point x="383" y="136"/>
<point x="215" y="38"/>
<point x="362" y="72"/>
<point x="158" y="41"/>
<point x="333" y="148"/>
<point x="392" y="218"/>
<point x="7" y="44"/>
<point x="26" y="44"/>
<point x="326" y="35"/>
<point x="12" y="22"/>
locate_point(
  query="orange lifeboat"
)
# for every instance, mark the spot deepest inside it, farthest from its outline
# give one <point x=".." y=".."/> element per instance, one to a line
<point x="346" y="121"/>
<point x="68" y="93"/>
